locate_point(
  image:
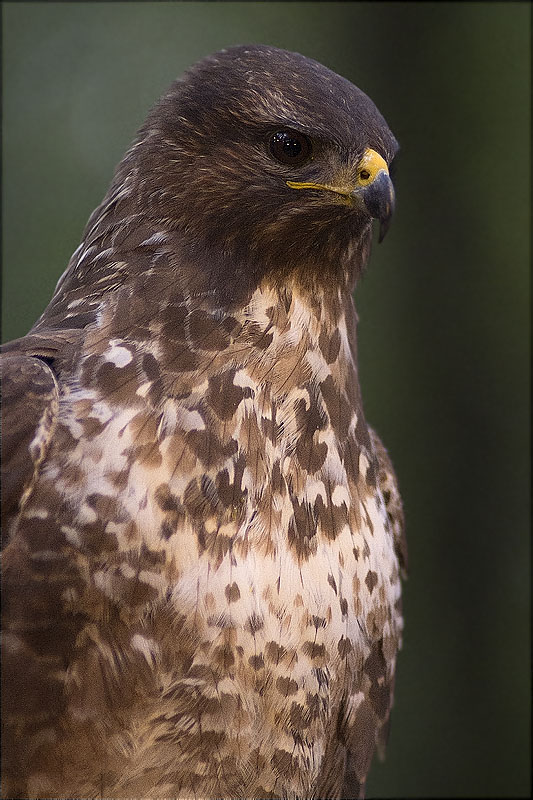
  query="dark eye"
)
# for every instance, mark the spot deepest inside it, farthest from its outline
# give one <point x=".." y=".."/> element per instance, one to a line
<point x="290" y="147"/>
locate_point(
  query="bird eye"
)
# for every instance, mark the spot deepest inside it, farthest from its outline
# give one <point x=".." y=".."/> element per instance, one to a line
<point x="290" y="147"/>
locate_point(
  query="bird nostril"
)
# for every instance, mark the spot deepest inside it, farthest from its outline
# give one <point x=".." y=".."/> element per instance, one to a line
<point x="364" y="174"/>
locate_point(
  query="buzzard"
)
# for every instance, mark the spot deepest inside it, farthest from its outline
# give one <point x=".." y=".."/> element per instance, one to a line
<point x="203" y="538"/>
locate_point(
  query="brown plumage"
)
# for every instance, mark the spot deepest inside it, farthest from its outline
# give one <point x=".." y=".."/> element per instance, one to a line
<point x="202" y="535"/>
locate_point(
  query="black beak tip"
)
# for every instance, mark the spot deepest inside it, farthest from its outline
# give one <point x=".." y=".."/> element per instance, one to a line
<point x="384" y="225"/>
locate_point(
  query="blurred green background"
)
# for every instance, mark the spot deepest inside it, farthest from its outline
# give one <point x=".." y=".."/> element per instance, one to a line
<point x="444" y="307"/>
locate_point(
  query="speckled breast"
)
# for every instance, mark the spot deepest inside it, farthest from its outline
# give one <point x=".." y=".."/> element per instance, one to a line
<point x="228" y="520"/>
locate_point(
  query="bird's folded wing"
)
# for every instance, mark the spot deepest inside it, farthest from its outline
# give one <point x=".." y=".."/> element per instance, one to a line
<point x="366" y="728"/>
<point x="388" y="483"/>
<point x="29" y="407"/>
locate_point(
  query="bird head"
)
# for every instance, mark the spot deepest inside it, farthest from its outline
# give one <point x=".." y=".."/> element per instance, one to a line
<point x="268" y="165"/>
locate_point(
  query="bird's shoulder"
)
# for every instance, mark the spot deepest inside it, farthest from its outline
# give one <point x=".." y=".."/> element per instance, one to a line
<point x="32" y="373"/>
<point x="30" y="401"/>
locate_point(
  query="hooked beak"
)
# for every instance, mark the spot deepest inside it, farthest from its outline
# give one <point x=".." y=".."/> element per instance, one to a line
<point x="375" y="189"/>
<point x="371" y="190"/>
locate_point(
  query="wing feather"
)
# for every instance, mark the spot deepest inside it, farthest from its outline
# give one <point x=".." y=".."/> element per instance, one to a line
<point x="388" y="483"/>
<point x="30" y="400"/>
<point x="365" y="729"/>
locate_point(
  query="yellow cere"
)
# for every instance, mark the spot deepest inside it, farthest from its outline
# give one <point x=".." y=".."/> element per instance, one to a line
<point x="369" y="167"/>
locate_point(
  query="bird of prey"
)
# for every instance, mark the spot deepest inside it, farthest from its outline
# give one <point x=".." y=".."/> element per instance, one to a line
<point x="203" y="538"/>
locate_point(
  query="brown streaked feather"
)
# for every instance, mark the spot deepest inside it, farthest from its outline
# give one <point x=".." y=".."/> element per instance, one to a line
<point x="368" y="730"/>
<point x="388" y="483"/>
<point x="29" y="405"/>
